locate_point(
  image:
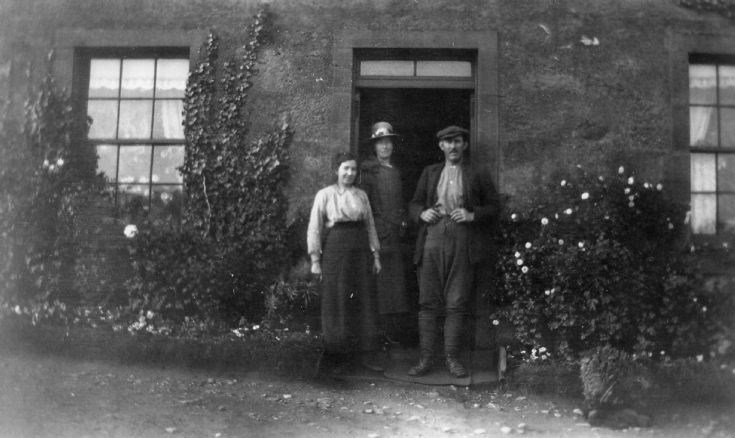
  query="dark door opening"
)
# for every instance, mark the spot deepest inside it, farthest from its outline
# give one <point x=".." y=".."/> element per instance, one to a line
<point x="417" y="114"/>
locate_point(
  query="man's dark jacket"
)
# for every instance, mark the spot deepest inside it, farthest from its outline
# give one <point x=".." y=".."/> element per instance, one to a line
<point x="480" y="197"/>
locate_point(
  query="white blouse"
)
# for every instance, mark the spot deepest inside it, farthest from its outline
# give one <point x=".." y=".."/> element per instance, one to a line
<point x="332" y="205"/>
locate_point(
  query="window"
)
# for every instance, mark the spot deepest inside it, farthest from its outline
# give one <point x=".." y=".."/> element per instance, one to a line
<point x="134" y="99"/>
<point x="712" y="143"/>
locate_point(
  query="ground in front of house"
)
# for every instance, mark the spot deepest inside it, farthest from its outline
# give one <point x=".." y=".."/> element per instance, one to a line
<point x="46" y="396"/>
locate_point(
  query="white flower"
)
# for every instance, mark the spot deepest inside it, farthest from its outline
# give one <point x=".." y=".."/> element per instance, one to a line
<point x="631" y="204"/>
<point x="514" y="216"/>
<point x="544" y="221"/>
<point x="563" y="182"/>
<point x="256" y="327"/>
<point x="149" y="314"/>
<point x="556" y="215"/>
<point x="621" y="170"/>
<point x="60" y="162"/>
<point x="568" y="211"/>
<point x="663" y="352"/>
<point x="45" y="163"/>
<point x="547" y="292"/>
<point x="646" y="185"/>
<point x="517" y="254"/>
<point x="631" y="180"/>
<point x="627" y="190"/>
<point x="631" y="197"/>
<point x="601" y="178"/>
<point x="700" y="358"/>
<point x="496" y="322"/>
<point x="528" y="245"/>
<point x="725" y="245"/>
<point x="17" y="310"/>
<point x="519" y="262"/>
<point x="704" y="308"/>
<point x="671" y="226"/>
<point x="585" y="195"/>
<point x="52" y="167"/>
<point x="524" y="269"/>
<point x="130" y="231"/>
<point x="542" y="350"/>
<point x="561" y="241"/>
<point x="659" y="187"/>
<point x="580" y="244"/>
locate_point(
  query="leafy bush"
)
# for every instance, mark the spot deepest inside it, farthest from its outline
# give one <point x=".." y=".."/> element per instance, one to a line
<point x="612" y="378"/>
<point x="601" y="261"/>
<point x="45" y="180"/>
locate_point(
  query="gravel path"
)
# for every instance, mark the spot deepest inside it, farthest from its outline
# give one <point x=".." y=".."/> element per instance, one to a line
<point x="44" y="396"/>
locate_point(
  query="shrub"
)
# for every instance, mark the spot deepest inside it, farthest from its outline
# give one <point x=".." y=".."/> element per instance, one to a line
<point x="45" y="181"/>
<point x="601" y="261"/>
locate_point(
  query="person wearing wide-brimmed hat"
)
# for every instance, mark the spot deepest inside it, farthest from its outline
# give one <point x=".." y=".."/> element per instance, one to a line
<point x="381" y="180"/>
<point x="455" y="207"/>
<point x="340" y="238"/>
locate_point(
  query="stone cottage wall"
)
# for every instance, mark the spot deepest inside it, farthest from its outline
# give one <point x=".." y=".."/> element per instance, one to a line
<point x="561" y="102"/>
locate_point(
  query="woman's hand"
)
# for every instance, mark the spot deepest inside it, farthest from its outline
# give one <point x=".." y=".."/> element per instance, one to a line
<point x="316" y="268"/>
<point x="377" y="267"/>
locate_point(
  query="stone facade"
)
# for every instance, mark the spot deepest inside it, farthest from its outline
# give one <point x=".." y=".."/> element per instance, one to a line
<point x="595" y="83"/>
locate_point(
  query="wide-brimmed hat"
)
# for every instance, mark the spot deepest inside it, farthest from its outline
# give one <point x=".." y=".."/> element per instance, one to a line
<point x="381" y="130"/>
<point x="452" y="131"/>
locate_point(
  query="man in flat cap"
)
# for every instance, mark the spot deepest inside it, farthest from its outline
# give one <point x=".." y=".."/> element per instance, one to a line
<point x="455" y="207"/>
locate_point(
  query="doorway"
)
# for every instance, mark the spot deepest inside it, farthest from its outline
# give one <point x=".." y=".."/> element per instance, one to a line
<point x="416" y="114"/>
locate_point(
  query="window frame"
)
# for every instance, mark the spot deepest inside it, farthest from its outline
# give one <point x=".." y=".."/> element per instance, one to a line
<point x="82" y="66"/>
<point x="678" y="163"/>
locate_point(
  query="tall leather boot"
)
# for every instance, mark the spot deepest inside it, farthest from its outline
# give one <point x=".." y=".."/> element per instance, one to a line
<point x="427" y="339"/>
<point x="453" y="326"/>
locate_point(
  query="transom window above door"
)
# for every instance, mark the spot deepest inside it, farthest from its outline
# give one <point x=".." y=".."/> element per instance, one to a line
<point x="397" y="68"/>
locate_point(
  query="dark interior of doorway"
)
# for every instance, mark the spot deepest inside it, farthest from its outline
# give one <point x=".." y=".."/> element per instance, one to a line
<point x="417" y="114"/>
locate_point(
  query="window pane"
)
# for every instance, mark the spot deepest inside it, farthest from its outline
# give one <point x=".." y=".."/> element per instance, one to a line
<point x="726" y="172"/>
<point x="727" y="84"/>
<point x="137" y="77"/>
<point x="168" y="119"/>
<point x="702" y="84"/>
<point x="171" y="77"/>
<point x="167" y="203"/>
<point x="703" y="173"/>
<point x="135" y="119"/>
<point x="104" y="118"/>
<point x="386" y="68"/>
<point x="133" y="201"/>
<point x="135" y="164"/>
<point x="104" y="77"/>
<point x="107" y="161"/>
<point x="166" y="160"/>
<point x="704" y="208"/>
<point x="702" y="126"/>
<point x="444" y="68"/>
<point x="727" y="134"/>
<point x="726" y="212"/>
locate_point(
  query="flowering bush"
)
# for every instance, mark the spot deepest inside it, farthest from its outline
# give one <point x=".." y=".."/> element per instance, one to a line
<point x="601" y="261"/>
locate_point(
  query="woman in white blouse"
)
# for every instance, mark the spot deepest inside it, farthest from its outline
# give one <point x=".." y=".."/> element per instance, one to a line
<point x="345" y="252"/>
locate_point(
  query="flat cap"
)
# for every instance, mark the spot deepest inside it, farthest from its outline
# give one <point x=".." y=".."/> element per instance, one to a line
<point x="452" y="131"/>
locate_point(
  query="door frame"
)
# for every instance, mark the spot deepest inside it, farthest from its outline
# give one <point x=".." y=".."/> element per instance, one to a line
<point x="484" y="111"/>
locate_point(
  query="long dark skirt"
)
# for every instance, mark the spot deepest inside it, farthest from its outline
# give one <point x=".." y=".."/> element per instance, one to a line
<point x="349" y="309"/>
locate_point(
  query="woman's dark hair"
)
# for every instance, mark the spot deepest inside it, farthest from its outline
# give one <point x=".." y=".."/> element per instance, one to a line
<point x="340" y="158"/>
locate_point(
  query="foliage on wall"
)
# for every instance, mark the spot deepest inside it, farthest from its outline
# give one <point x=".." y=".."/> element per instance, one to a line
<point x="46" y="177"/>
<point x="233" y="243"/>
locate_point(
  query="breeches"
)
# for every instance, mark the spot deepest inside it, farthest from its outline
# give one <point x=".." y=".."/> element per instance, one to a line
<point x="445" y="273"/>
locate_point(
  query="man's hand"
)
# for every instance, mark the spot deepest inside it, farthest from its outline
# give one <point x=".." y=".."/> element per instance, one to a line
<point x="462" y="215"/>
<point x="430" y="216"/>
